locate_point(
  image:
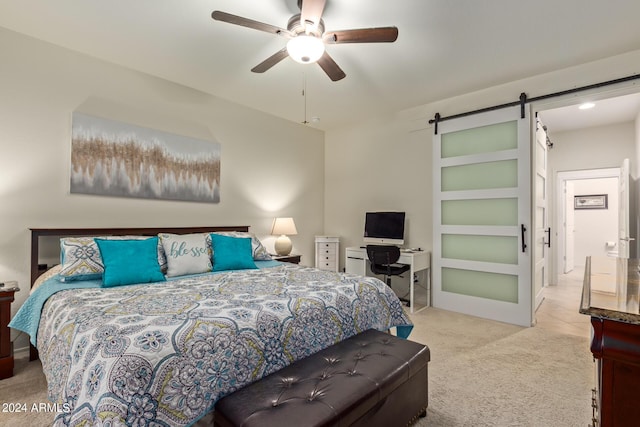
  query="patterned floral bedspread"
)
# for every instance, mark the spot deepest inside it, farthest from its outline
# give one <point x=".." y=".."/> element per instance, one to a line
<point x="163" y="354"/>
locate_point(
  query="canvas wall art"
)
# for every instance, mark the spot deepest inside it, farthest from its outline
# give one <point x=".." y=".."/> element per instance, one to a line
<point x="118" y="159"/>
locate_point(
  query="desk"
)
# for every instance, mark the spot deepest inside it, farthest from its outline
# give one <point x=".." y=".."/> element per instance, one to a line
<point x="357" y="262"/>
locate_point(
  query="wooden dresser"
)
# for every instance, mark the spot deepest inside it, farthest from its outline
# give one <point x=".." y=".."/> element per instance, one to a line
<point x="611" y="296"/>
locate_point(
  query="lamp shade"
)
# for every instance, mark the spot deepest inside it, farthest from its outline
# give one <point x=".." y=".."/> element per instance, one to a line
<point x="284" y="226"/>
<point x="305" y="49"/>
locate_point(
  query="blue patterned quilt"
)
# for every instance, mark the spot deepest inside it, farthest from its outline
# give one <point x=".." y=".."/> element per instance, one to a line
<point x="162" y="354"/>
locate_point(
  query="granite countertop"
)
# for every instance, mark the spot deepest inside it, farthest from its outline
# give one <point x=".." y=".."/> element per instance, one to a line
<point x="611" y="289"/>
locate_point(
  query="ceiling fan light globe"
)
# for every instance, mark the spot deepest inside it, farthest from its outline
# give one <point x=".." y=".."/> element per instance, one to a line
<point x="305" y="49"/>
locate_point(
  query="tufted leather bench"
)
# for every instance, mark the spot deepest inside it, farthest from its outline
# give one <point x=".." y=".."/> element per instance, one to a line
<point x="371" y="379"/>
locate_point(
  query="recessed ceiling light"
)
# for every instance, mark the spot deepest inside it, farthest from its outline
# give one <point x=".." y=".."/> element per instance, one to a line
<point x="586" y="105"/>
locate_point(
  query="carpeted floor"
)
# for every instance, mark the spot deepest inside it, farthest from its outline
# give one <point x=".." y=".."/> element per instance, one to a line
<point x="485" y="373"/>
<point x="482" y="373"/>
<point x="25" y="389"/>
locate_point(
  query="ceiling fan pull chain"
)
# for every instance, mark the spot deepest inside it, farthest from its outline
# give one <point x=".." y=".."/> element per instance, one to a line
<point x="304" y="96"/>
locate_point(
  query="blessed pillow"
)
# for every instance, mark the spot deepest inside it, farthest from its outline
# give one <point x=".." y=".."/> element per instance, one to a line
<point x="231" y="253"/>
<point x="186" y="253"/>
<point x="258" y="251"/>
<point x="81" y="260"/>
<point x="129" y="261"/>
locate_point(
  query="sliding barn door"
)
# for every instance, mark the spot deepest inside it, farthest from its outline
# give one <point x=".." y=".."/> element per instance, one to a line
<point x="482" y="216"/>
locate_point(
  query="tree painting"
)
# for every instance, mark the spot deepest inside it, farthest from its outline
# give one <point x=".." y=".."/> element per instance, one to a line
<point x="117" y="159"/>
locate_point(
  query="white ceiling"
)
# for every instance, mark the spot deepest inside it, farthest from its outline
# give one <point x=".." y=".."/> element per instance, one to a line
<point x="445" y="48"/>
<point x="605" y="111"/>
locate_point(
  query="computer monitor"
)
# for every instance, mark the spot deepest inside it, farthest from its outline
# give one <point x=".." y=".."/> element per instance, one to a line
<point x="384" y="228"/>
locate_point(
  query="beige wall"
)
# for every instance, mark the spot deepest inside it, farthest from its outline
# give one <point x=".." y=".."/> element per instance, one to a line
<point x="270" y="166"/>
<point x="595" y="227"/>
<point x="385" y="163"/>
<point x="378" y="166"/>
<point x="595" y="147"/>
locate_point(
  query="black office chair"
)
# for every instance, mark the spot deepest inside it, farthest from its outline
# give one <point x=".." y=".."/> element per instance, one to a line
<point x="383" y="259"/>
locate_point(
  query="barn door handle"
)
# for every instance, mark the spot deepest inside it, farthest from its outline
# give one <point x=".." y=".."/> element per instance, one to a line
<point x="548" y="231"/>
<point x="523" y="229"/>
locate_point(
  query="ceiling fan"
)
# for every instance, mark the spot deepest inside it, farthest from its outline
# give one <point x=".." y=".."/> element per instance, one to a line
<point x="307" y="37"/>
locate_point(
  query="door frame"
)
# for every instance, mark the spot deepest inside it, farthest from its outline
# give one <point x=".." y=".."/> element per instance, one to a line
<point x="561" y="178"/>
<point x="625" y="234"/>
<point x="567" y="256"/>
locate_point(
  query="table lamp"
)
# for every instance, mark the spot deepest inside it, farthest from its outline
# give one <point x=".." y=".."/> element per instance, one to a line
<point x="284" y="227"/>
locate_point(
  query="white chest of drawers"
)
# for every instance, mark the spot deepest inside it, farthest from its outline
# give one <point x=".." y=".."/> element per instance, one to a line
<point x="327" y="252"/>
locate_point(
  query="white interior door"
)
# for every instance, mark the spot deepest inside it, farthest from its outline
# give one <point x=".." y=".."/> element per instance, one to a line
<point x="542" y="231"/>
<point x="624" y="240"/>
<point x="482" y="216"/>
<point x="569" y="226"/>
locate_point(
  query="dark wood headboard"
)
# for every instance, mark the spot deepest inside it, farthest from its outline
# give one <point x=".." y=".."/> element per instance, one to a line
<point x="37" y="233"/>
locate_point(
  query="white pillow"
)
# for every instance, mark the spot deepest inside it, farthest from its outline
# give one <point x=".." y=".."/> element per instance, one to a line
<point x="186" y="253"/>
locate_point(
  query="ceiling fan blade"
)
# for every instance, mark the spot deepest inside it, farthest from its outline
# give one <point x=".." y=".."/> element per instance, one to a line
<point x="249" y="23"/>
<point x="311" y="11"/>
<point x="362" y="35"/>
<point x="270" y="61"/>
<point x="330" y="67"/>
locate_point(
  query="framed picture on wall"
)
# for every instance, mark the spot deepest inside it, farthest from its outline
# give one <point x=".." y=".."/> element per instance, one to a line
<point x="592" y="201"/>
<point x="112" y="158"/>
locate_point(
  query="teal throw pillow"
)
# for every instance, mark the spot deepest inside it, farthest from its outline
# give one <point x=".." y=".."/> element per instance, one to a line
<point x="186" y="253"/>
<point x="231" y="253"/>
<point x="129" y="261"/>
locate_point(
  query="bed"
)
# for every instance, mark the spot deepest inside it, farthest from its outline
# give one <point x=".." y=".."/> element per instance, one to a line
<point x="162" y="353"/>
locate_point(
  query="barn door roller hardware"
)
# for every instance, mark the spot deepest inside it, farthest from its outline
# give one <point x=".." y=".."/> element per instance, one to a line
<point x="523" y="100"/>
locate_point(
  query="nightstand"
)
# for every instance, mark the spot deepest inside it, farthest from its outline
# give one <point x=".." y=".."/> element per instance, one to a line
<point x="6" y="346"/>
<point x="294" y="259"/>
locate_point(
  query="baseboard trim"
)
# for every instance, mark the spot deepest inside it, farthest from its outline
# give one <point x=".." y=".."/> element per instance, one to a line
<point x="21" y="352"/>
